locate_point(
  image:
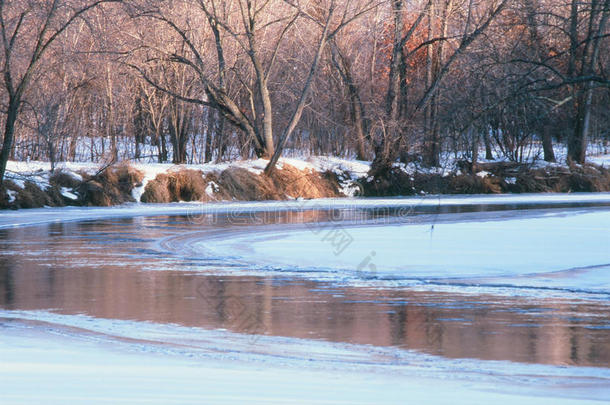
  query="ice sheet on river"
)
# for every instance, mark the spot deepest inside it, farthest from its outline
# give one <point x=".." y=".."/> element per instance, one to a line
<point x="37" y="216"/>
<point x="58" y="359"/>
<point x="562" y="249"/>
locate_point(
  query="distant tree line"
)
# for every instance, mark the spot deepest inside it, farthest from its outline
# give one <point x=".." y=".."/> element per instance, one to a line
<point x="194" y="81"/>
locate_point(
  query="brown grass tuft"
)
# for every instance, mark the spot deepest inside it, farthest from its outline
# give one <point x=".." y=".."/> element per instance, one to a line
<point x="54" y="197"/>
<point x="243" y="185"/>
<point x="4" y="197"/>
<point x="187" y="185"/>
<point x="472" y="184"/>
<point x="156" y="191"/>
<point x="587" y="178"/>
<point x="387" y="180"/>
<point x="31" y="196"/>
<point x="110" y="187"/>
<point x="183" y="185"/>
<point x="64" y="179"/>
<point x="94" y="193"/>
<point x="127" y="178"/>
<point x="292" y="182"/>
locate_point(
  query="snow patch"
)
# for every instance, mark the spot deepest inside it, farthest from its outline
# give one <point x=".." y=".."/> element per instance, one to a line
<point x="19" y="182"/>
<point x="602" y="160"/>
<point x="75" y="176"/>
<point x="212" y="188"/>
<point x="12" y="195"/>
<point x="66" y="192"/>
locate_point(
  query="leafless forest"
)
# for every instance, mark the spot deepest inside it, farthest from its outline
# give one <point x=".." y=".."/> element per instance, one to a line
<point x="193" y="81"/>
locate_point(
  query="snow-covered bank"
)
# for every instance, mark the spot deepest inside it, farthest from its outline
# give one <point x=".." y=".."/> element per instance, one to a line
<point x="31" y="184"/>
<point x="77" y="359"/>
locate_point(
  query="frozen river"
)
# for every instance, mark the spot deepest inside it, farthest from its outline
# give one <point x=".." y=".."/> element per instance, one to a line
<point x="489" y="295"/>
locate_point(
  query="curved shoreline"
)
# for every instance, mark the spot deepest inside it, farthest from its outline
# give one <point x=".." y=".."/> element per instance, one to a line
<point x="41" y="216"/>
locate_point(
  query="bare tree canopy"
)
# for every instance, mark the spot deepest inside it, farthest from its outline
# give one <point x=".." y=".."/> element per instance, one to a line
<point x="389" y="80"/>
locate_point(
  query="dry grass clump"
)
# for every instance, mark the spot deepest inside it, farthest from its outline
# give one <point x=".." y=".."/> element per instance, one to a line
<point x="157" y="190"/>
<point x="472" y="184"/>
<point x="537" y="181"/>
<point x="183" y="185"/>
<point x="431" y="183"/>
<point x="331" y="184"/>
<point x="243" y="185"/>
<point x="294" y="183"/>
<point x="589" y="178"/>
<point x="218" y="192"/>
<point x="387" y="180"/>
<point x="127" y="178"/>
<point x="93" y="193"/>
<point x="61" y="178"/>
<point x="110" y="187"/>
<point x="32" y="196"/>
<point x="238" y="184"/>
<point x="7" y="186"/>
<point x="382" y="180"/>
<point x="576" y="178"/>
<point x="187" y="185"/>
<point x="114" y="185"/>
<point x="55" y="198"/>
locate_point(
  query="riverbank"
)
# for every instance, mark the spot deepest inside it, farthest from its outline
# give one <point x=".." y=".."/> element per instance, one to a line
<point x="35" y="185"/>
<point x="197" y="211"/>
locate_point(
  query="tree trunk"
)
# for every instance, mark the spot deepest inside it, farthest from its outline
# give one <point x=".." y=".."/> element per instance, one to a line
<point x="355" y="102"/>
<point x="488" y="153"/>
<point x="298" y="111"/>
<point x="428" y="110"/>
<point x="209" y="134"/>
<point x="267" y="119"/>
<point x="262" y="100"/>
<point x="110" y="124"/>
<point x="577" y="143"/>
<point x="547" y="144"/>
<point x="475" y="152"/>
<point x="393" y="94"/>
<point x="163" y="156"/>
<point x="72" y="148"/>
<point x="434" y="63"/>
<point x="9" y="134"/>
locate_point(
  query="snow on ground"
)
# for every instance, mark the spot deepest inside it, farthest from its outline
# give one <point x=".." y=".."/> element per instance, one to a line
<point x="39" y="172"/>
<point x="602" y="160"/>
<point x="348" y="171"/>
<point x="59" y="359"/>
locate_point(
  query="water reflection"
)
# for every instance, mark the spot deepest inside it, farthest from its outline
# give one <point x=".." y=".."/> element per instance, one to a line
<point x="107" y="269"/>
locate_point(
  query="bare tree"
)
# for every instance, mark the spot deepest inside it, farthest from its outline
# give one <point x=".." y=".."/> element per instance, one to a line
<point x="28" y="28"/>
<point x="248" y="25"/>
<point x="569" y="55"/>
